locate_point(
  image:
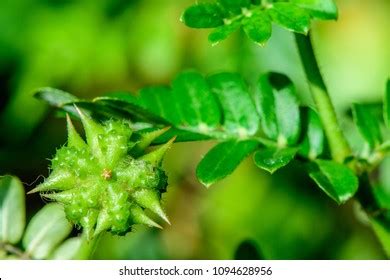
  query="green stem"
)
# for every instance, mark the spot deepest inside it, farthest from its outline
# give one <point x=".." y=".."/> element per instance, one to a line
<point x="339" y="147"/>
<point x="87" y="247"/>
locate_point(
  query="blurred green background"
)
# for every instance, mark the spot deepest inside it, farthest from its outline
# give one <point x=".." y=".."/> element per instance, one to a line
<point x="89" y="47"/>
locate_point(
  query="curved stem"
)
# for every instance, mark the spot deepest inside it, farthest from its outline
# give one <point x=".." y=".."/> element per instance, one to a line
<point x="338" y="144"/>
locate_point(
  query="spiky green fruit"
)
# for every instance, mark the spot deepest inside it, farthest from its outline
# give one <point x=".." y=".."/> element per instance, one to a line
<point x="101" y="183"/>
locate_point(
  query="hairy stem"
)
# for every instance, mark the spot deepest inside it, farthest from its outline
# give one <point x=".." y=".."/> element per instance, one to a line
<point x="338" y="144"/>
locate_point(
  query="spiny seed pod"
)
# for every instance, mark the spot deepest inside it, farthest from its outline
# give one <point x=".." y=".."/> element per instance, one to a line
<point x="101" y="183"/>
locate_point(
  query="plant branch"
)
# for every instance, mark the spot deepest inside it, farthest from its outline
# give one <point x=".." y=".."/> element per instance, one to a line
<point x="14" y="251"/>
<point x="339" y="147"/>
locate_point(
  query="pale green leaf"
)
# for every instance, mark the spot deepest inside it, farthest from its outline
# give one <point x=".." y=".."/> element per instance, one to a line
<point x="12" y="209"/>
<point x="55" y="97"/>
<point x="68" y="250"/>
<point x="48" y="228"/>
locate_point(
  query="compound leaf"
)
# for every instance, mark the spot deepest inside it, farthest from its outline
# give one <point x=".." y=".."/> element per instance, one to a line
<point x="255" y="16"/>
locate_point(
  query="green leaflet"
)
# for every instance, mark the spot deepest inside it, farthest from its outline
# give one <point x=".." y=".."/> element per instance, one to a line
<point x="313" y="144"/>
<point x="222" y="32"/>
<point x="12" y="209"/>
<point x="222" y="160"/>
<point x="278" y="107"/>
<point x="321" y="9"/>
<point x="48" y="228"/>
<point x="386" y="109"/>
<point x="203" y="15"/>
<point x="290" y="17"/>
<point x="258" y="27"/>
<point x="240" y="115"/>
<point x="272" y="159"/>
<point x="195" y="103"/>
<point x="336" y="180"/>
<point x="367" y="125"/>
